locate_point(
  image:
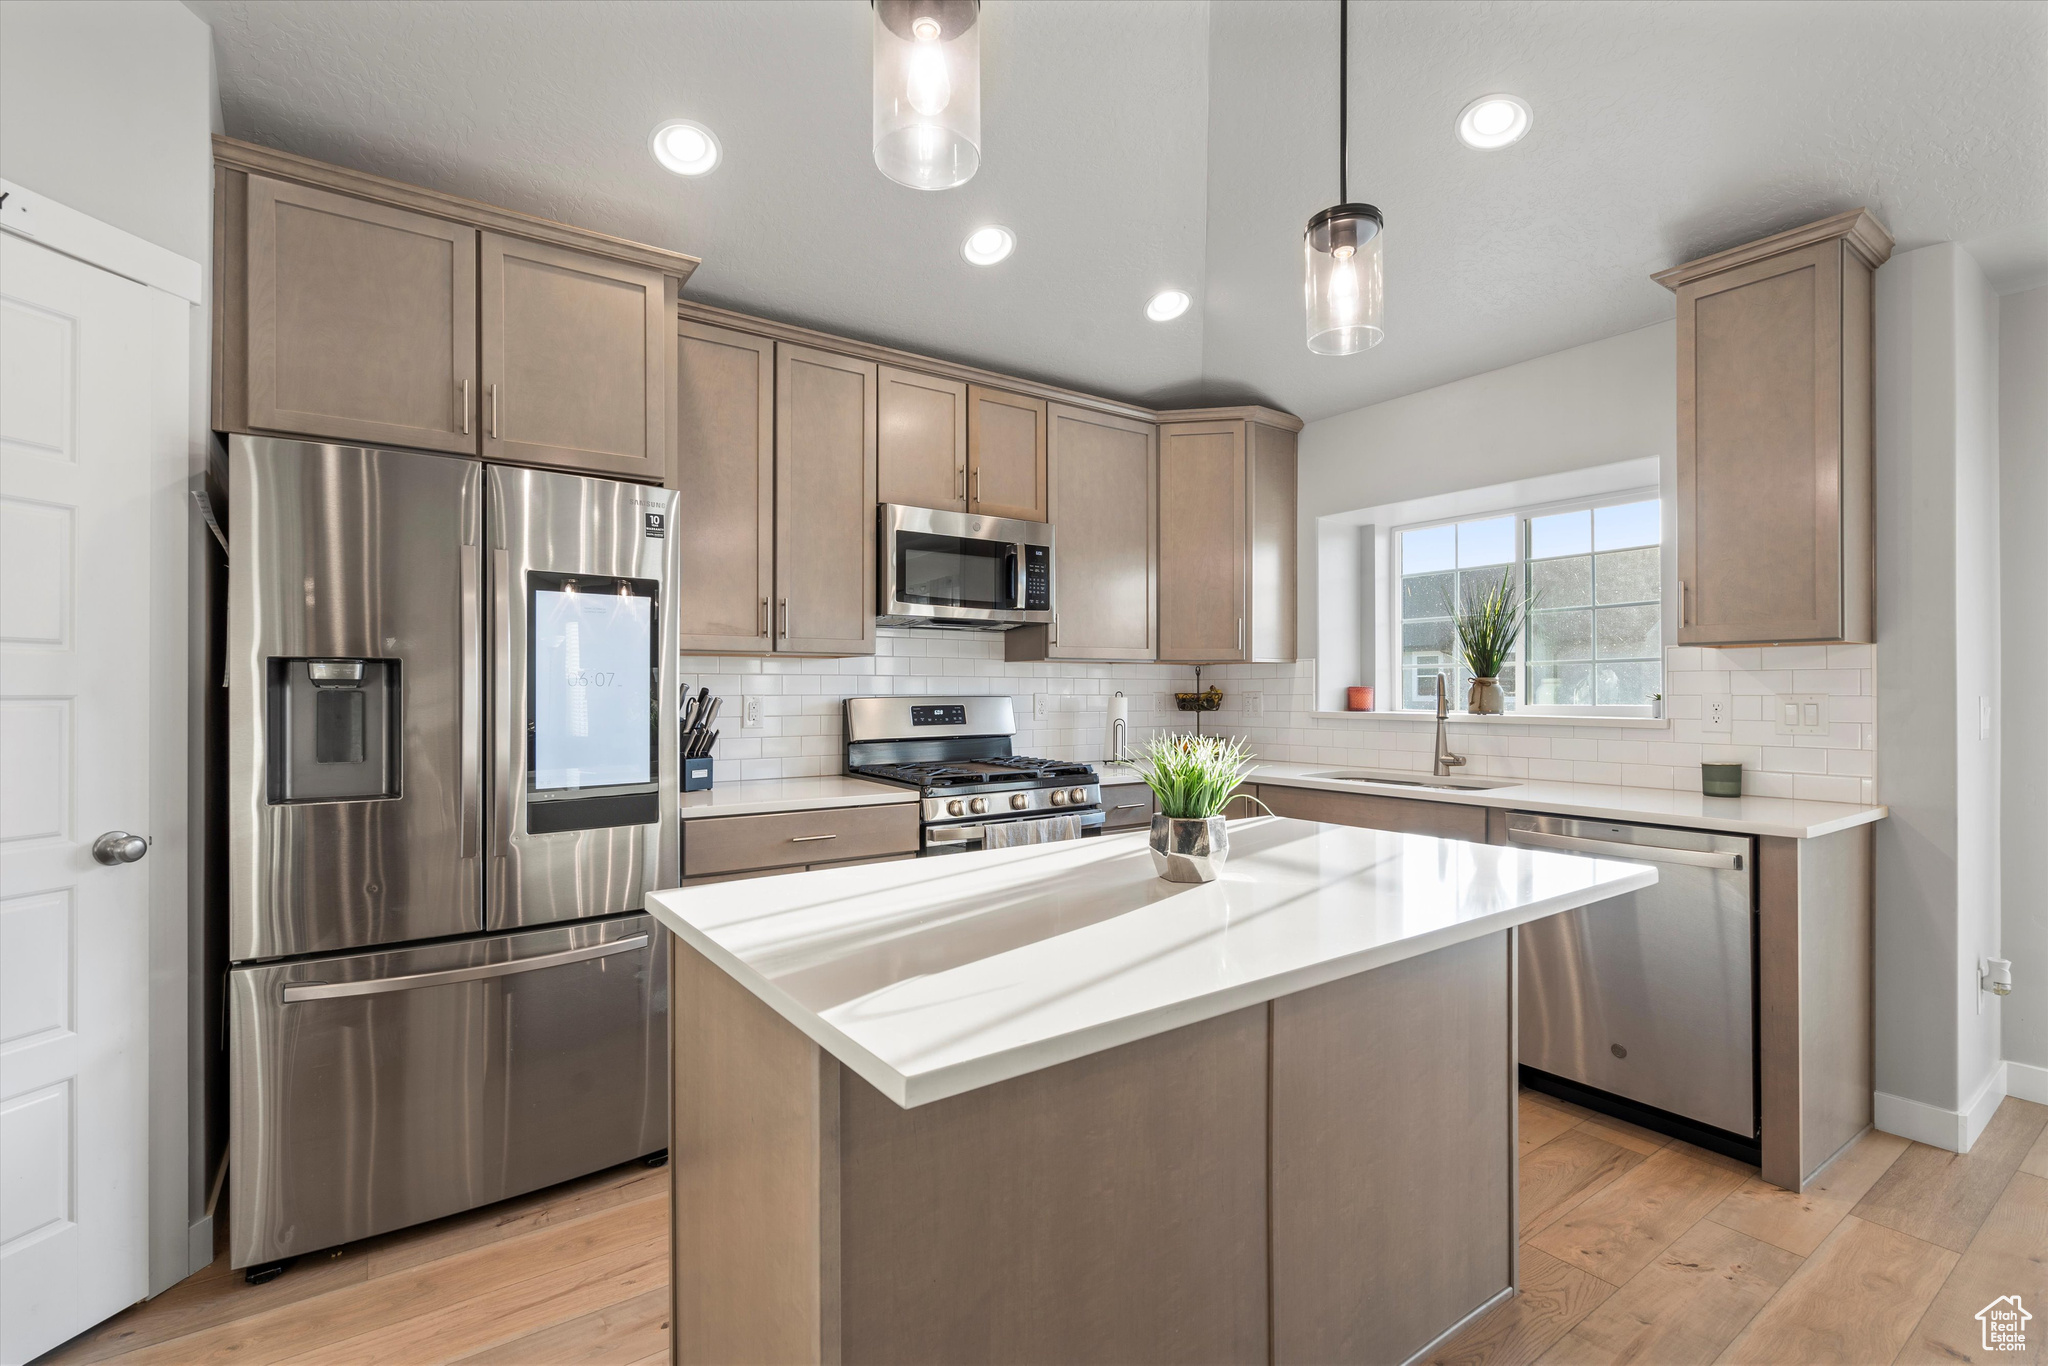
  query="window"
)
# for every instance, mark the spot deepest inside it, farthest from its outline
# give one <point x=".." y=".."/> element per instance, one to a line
<point x="1593" y="575"/>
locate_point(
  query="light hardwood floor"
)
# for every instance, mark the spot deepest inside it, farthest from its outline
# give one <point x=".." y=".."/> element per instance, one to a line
<point x="1636" y="1249"/>
<point x="1642" y="1249"/>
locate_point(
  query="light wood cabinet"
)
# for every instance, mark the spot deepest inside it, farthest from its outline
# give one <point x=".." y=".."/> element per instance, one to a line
<point x="1227" y="503"/>
<point x="358" y="320"/>
<point x="727" y="845"/>
<point x="1104" y="502"/>
<point x="921" y="444"/>
<point x="574" y="358"/>
<point x="348" y="307"/>
<point x="725" y="464"/>
<point x="1775" y="372"/>
<point x="824" y="502"/>
<point x="1006" y="468"/>
<point x="1445" y="820"/>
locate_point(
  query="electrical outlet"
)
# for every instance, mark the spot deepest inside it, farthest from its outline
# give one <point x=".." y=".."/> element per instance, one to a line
<point x="1801" y="713"/>
<point x="1041" y="706"/>
<point x="1254" y="703"/>
<point x="1714" y="715"/>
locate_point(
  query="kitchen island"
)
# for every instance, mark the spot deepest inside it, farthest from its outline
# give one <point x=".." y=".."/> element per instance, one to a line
<point x="1036" y="1104"/>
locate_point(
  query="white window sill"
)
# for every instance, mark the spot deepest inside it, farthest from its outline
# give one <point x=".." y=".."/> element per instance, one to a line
<point x="1461" y="718"/>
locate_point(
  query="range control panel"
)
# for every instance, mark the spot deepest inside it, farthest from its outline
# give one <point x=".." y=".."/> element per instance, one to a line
<point x="938" y="716"/>
<point x="1038" y="578"/>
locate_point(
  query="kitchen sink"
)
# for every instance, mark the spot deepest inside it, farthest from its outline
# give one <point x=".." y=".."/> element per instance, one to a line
<point x="1367" y="775"/>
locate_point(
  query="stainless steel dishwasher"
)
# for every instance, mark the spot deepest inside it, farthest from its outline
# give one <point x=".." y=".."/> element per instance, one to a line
<point x="1649" y="996"/>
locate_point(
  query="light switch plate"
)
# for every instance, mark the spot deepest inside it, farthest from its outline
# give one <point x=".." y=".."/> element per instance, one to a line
<point x="1254" y="703"/>
<point x="1800" y="713"/>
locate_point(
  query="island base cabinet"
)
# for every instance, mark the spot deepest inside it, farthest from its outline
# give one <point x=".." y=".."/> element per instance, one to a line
<point x="1322" y="1178"/>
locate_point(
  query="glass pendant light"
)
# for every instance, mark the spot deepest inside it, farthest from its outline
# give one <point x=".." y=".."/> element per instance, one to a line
<point x="928" y="91"/>
<point x="1341" y="284"/>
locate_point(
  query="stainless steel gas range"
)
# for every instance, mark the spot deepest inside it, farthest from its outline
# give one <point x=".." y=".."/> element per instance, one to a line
<point x="977" y="794"/>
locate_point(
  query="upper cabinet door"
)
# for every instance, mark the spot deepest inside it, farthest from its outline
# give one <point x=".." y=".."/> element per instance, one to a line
<point x="1270" y="568"/>
<point x="725" y="470"/>
<point x="1202" y="550"/>
<point x="1005" y="454"/>
<point x="361" y="320"/>
<point x="1105" y="509"/>
<point x="1760" y="450"/>
<point x="824" y="502"/>
<point x="575" y="360"/>
<point x="922" y="445"/>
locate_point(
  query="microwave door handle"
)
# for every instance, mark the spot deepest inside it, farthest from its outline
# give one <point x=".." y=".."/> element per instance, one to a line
<point x="1010" y="563"/>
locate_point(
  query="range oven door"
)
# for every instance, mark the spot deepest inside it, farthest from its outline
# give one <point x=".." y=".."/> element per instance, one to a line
<point x="969" y="836"/>
<point x="372" y="1091"/>
<point x="939" y="566"/>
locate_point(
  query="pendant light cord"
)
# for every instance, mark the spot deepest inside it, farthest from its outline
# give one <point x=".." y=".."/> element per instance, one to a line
<point x="1343" y="100"/>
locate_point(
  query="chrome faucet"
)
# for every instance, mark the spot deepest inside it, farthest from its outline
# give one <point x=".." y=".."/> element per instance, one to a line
<point x="1445" y="760"/>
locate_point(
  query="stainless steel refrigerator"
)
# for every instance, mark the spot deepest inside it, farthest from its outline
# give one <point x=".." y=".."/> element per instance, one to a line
<point x="451" y="784"/>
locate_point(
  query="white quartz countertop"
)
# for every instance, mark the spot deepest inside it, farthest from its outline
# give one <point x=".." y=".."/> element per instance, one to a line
<point x="935" y="976"/>
<point x="790" y="794"/>
<point x="1657" y="806"/>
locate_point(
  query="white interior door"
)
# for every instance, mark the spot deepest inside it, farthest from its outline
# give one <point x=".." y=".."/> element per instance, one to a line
<point x="74" y="746"/>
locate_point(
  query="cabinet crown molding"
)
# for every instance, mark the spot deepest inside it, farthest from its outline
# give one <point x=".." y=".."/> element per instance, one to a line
<point x="1858" y="229"/>
<point x="237" y="155"/>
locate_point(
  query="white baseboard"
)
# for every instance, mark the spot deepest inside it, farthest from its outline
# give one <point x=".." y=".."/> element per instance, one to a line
<point x="199" y="1244"/>
<point x="2026" y="1081"/>
<point x="1958" y="1130"/>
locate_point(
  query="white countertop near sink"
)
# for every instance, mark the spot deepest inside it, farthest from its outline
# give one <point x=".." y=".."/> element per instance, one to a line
<point x="930" y="977"/>
<point x="763" y="795"/>
<point x="1659" y="806"/>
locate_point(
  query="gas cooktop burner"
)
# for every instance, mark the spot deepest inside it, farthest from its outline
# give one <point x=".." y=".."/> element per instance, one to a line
<point x="957" y="773"/>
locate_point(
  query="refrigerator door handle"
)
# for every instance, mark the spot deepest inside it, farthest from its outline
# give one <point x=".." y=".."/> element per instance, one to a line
<point x="379" y="986"/>
<point x="504" y="728"/>
<point x="471" y="721"/>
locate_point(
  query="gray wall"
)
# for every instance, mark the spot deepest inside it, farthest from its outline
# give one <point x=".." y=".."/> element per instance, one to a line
<point x="106" y="108"/>
<point x="2023" y="553"/>
<point x="1936" y="508"/>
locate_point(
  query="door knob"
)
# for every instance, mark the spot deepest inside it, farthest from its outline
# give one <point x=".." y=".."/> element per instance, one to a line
<point x="117" y="847"/>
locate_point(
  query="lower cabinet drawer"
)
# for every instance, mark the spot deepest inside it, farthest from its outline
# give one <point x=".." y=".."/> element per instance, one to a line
<point x="1126" y="805"/>
<point x="793" y="839"/>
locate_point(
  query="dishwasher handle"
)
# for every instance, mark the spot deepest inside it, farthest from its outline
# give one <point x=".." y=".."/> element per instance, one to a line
<point x="378" y="986"/>
<point x="1640" y="853"/>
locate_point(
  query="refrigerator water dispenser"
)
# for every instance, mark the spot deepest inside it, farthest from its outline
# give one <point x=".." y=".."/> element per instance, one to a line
<point x="332" y="730"/>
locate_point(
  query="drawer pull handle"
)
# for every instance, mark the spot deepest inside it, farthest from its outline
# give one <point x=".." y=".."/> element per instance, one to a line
<point x="1127" y="806"/>
<point x="806" y="839"/>
<point x="379" y="986"/>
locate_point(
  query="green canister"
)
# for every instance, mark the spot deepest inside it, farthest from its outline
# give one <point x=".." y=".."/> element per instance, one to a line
<point x="1721" y="780"/>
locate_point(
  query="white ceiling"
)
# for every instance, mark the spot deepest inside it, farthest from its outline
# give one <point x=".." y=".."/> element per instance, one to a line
<point x="1143" y="144"/>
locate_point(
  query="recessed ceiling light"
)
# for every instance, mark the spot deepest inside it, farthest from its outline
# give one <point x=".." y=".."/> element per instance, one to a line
<point x="1166" y="305"/>
<point x="986" y="246"/>
<point x="1494" y="121"/>
<point x="684" y="147"/>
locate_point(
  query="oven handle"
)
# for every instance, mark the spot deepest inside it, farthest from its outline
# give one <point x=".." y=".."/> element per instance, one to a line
<point x="378" y="986"/>
<point x="1639" y="853"/>
<point x="970" y="833"/>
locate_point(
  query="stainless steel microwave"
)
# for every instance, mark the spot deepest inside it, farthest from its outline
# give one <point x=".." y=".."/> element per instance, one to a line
<point x="945" y="568"/>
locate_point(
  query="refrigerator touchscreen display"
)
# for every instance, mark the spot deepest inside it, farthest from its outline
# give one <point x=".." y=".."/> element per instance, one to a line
<point x="592" y="661"/>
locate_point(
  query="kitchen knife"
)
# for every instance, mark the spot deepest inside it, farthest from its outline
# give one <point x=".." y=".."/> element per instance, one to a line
<point x="689" y="717"/>
<point x="704" y="743"/>
<point x="704" y="722"/>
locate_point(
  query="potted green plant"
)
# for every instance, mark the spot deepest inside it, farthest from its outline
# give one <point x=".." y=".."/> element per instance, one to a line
<point x="1488" y="627"/>
<point x="1192" y="777"/>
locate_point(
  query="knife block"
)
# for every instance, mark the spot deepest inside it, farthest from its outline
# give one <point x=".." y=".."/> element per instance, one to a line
<point x="697" y="774"/>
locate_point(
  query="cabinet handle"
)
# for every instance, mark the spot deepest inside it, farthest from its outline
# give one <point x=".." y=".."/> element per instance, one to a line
<point x="494" y="412"/>
<point x="1127" y="806"/>
<point x="806" y="839"/>
<point x="1684" y="605"/>
<point x="977" y="485"/>
<point x="762" y="618"/>
<point x="465" y="407"/>
<point x="785" y="618"/>
<point x="1240" y="635"/>
<point x="1055" y="630"/>
<point x="960" y="476"/>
